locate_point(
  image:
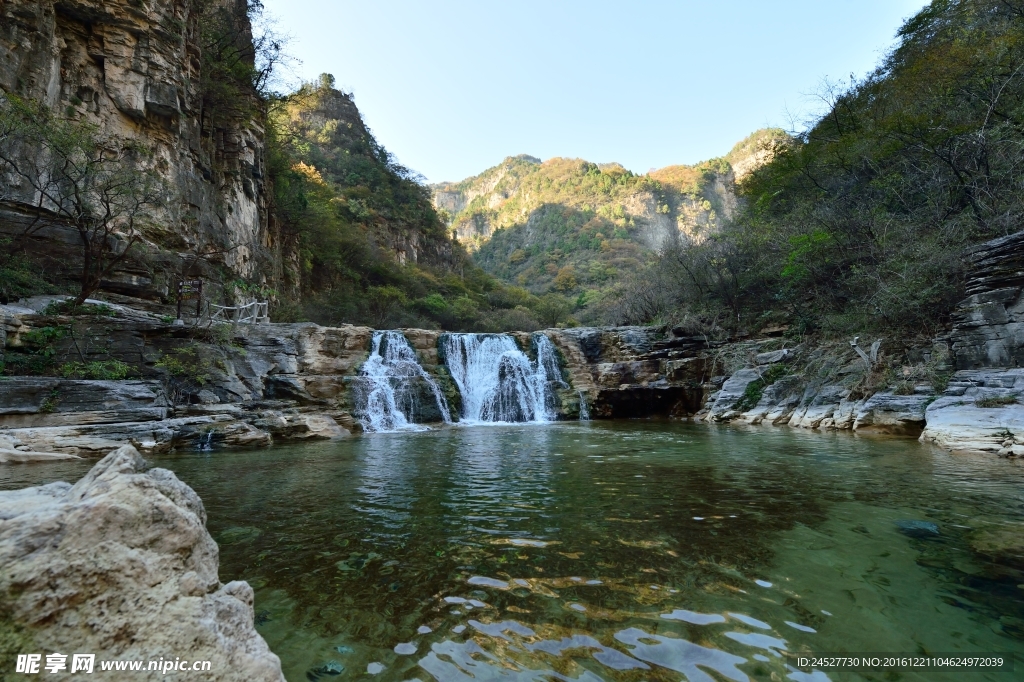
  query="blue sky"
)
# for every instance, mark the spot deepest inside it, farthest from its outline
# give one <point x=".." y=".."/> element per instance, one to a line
<point x="452" y="87"/>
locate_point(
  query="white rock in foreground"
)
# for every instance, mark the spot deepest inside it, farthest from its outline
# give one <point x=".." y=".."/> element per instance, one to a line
<point x="121" y="565"/>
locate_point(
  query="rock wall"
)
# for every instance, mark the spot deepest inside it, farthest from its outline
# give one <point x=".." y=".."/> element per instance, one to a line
<point x="121" y="565"/>
<point x="988" y="329"/>
<point x="634" y="371"/>
<point x="132" y="69"/>
<point x="244" y="385"/>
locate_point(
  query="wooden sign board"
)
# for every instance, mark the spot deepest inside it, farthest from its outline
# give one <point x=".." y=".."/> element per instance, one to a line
<point x="189" y="289"/>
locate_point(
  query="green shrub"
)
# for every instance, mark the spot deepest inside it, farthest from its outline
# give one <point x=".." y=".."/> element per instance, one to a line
<point x="68" y="307"/>
<point x="755" y="389"/>
<point x="108" y="370"/>
<point x="186" y="363"/>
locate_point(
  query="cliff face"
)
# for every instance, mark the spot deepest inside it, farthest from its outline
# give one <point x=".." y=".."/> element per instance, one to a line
<point x="132" y="68"/>
<point x="988" y="326"/>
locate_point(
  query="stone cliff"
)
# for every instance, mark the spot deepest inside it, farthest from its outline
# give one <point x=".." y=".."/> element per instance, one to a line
<point x="121" y="565"/>
<point x="133" y="70"/>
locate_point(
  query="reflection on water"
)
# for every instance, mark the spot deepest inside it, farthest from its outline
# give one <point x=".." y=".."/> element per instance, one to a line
<point x="616" y="551"/>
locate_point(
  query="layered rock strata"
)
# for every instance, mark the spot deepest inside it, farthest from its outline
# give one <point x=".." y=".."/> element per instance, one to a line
<point x="121" y="565"/>
<point x="253" y="385"/>
<point x="132" y="69"/>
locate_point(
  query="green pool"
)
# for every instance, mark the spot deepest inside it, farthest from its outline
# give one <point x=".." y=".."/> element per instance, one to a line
<point x="613" y="550"/>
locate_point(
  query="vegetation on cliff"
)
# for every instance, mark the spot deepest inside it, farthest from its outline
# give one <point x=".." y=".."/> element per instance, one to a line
<point x="75" y="176"/>
<point x="864" y="222"/>
<point x="370" y="248"/>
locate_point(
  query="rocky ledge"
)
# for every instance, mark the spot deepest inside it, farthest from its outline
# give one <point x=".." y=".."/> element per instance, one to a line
<point x="980" y="411"/>
<point x="254" y="385"/>
<point x="121" y="565"/>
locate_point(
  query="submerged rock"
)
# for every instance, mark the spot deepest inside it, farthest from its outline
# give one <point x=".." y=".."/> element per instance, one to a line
<point x="921" y="530"/>
<point x="1001" y="543"/>
<point x="330" y="669"/>
<point x="121" y="564"/>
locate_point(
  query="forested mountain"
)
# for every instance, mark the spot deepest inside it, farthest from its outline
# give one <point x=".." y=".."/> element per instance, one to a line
<point x="864" y="223"/>
<point x="861" y="222"/>
<point x="209" y="173"/>
<point x="575" y="228"/>
<point x="369" y="246"/>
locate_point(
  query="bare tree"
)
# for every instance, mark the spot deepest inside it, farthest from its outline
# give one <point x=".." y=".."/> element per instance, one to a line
<point x="72" y="176"/>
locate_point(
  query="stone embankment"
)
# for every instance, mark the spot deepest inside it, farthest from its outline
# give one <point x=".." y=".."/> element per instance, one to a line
<point x="121" y="565"/>
<point x="965" y="393"/>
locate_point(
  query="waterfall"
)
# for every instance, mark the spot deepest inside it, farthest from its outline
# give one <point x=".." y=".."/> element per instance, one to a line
<point x="498" y="382"/>
<point x="387" y="394"/>
<point x="584" y="408"/>
<point x="206" y="442"/>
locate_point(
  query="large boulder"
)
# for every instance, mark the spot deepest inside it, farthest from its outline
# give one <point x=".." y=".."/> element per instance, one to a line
<point x="121" y="565"/>
<point x="888" y="413"/>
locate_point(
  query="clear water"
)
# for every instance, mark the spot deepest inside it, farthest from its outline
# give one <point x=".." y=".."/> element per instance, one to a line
<point x="601" y="550"/>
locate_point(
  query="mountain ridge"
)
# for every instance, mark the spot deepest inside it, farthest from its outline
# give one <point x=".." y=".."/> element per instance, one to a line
<point x="574" y="226"/>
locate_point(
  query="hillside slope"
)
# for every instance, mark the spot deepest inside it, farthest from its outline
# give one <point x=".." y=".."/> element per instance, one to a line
<point x="866" y="222"/>
<point x="571" y="226"/>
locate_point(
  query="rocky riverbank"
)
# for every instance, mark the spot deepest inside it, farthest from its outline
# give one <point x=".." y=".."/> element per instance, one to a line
<point x="160" y="386"/>
<point x="254" y="385"/>
<point x="963" y="392"/>
<point x="121" y="565"/>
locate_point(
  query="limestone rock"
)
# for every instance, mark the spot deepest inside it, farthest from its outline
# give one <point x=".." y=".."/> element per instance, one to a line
<point x="130" y="69"/>
<point x="988" y="326"/>
<point x="301" y="426"/>
<point x="121" y="564"/>
<point x="11" y="456"/>
<point x="771" y="357"/>
<point x="51" y="401"/>
<point x="93" y="440"/>
<point x="1002" y="543"/>
<point x="961" y="420"/>
<point x="885" y="412"/>
<point x="732" y="391"/>
<point x="819" y="405"/>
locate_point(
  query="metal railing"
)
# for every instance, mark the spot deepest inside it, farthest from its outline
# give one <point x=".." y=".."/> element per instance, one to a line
<point x="257" y="312"/>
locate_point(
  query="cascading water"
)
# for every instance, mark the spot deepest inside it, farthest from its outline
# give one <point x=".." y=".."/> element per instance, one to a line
<point x="584" y="407"/>
<point x="206" y="442"/>
<point x="388" y="391"/>
<point x="498" y="382"/>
